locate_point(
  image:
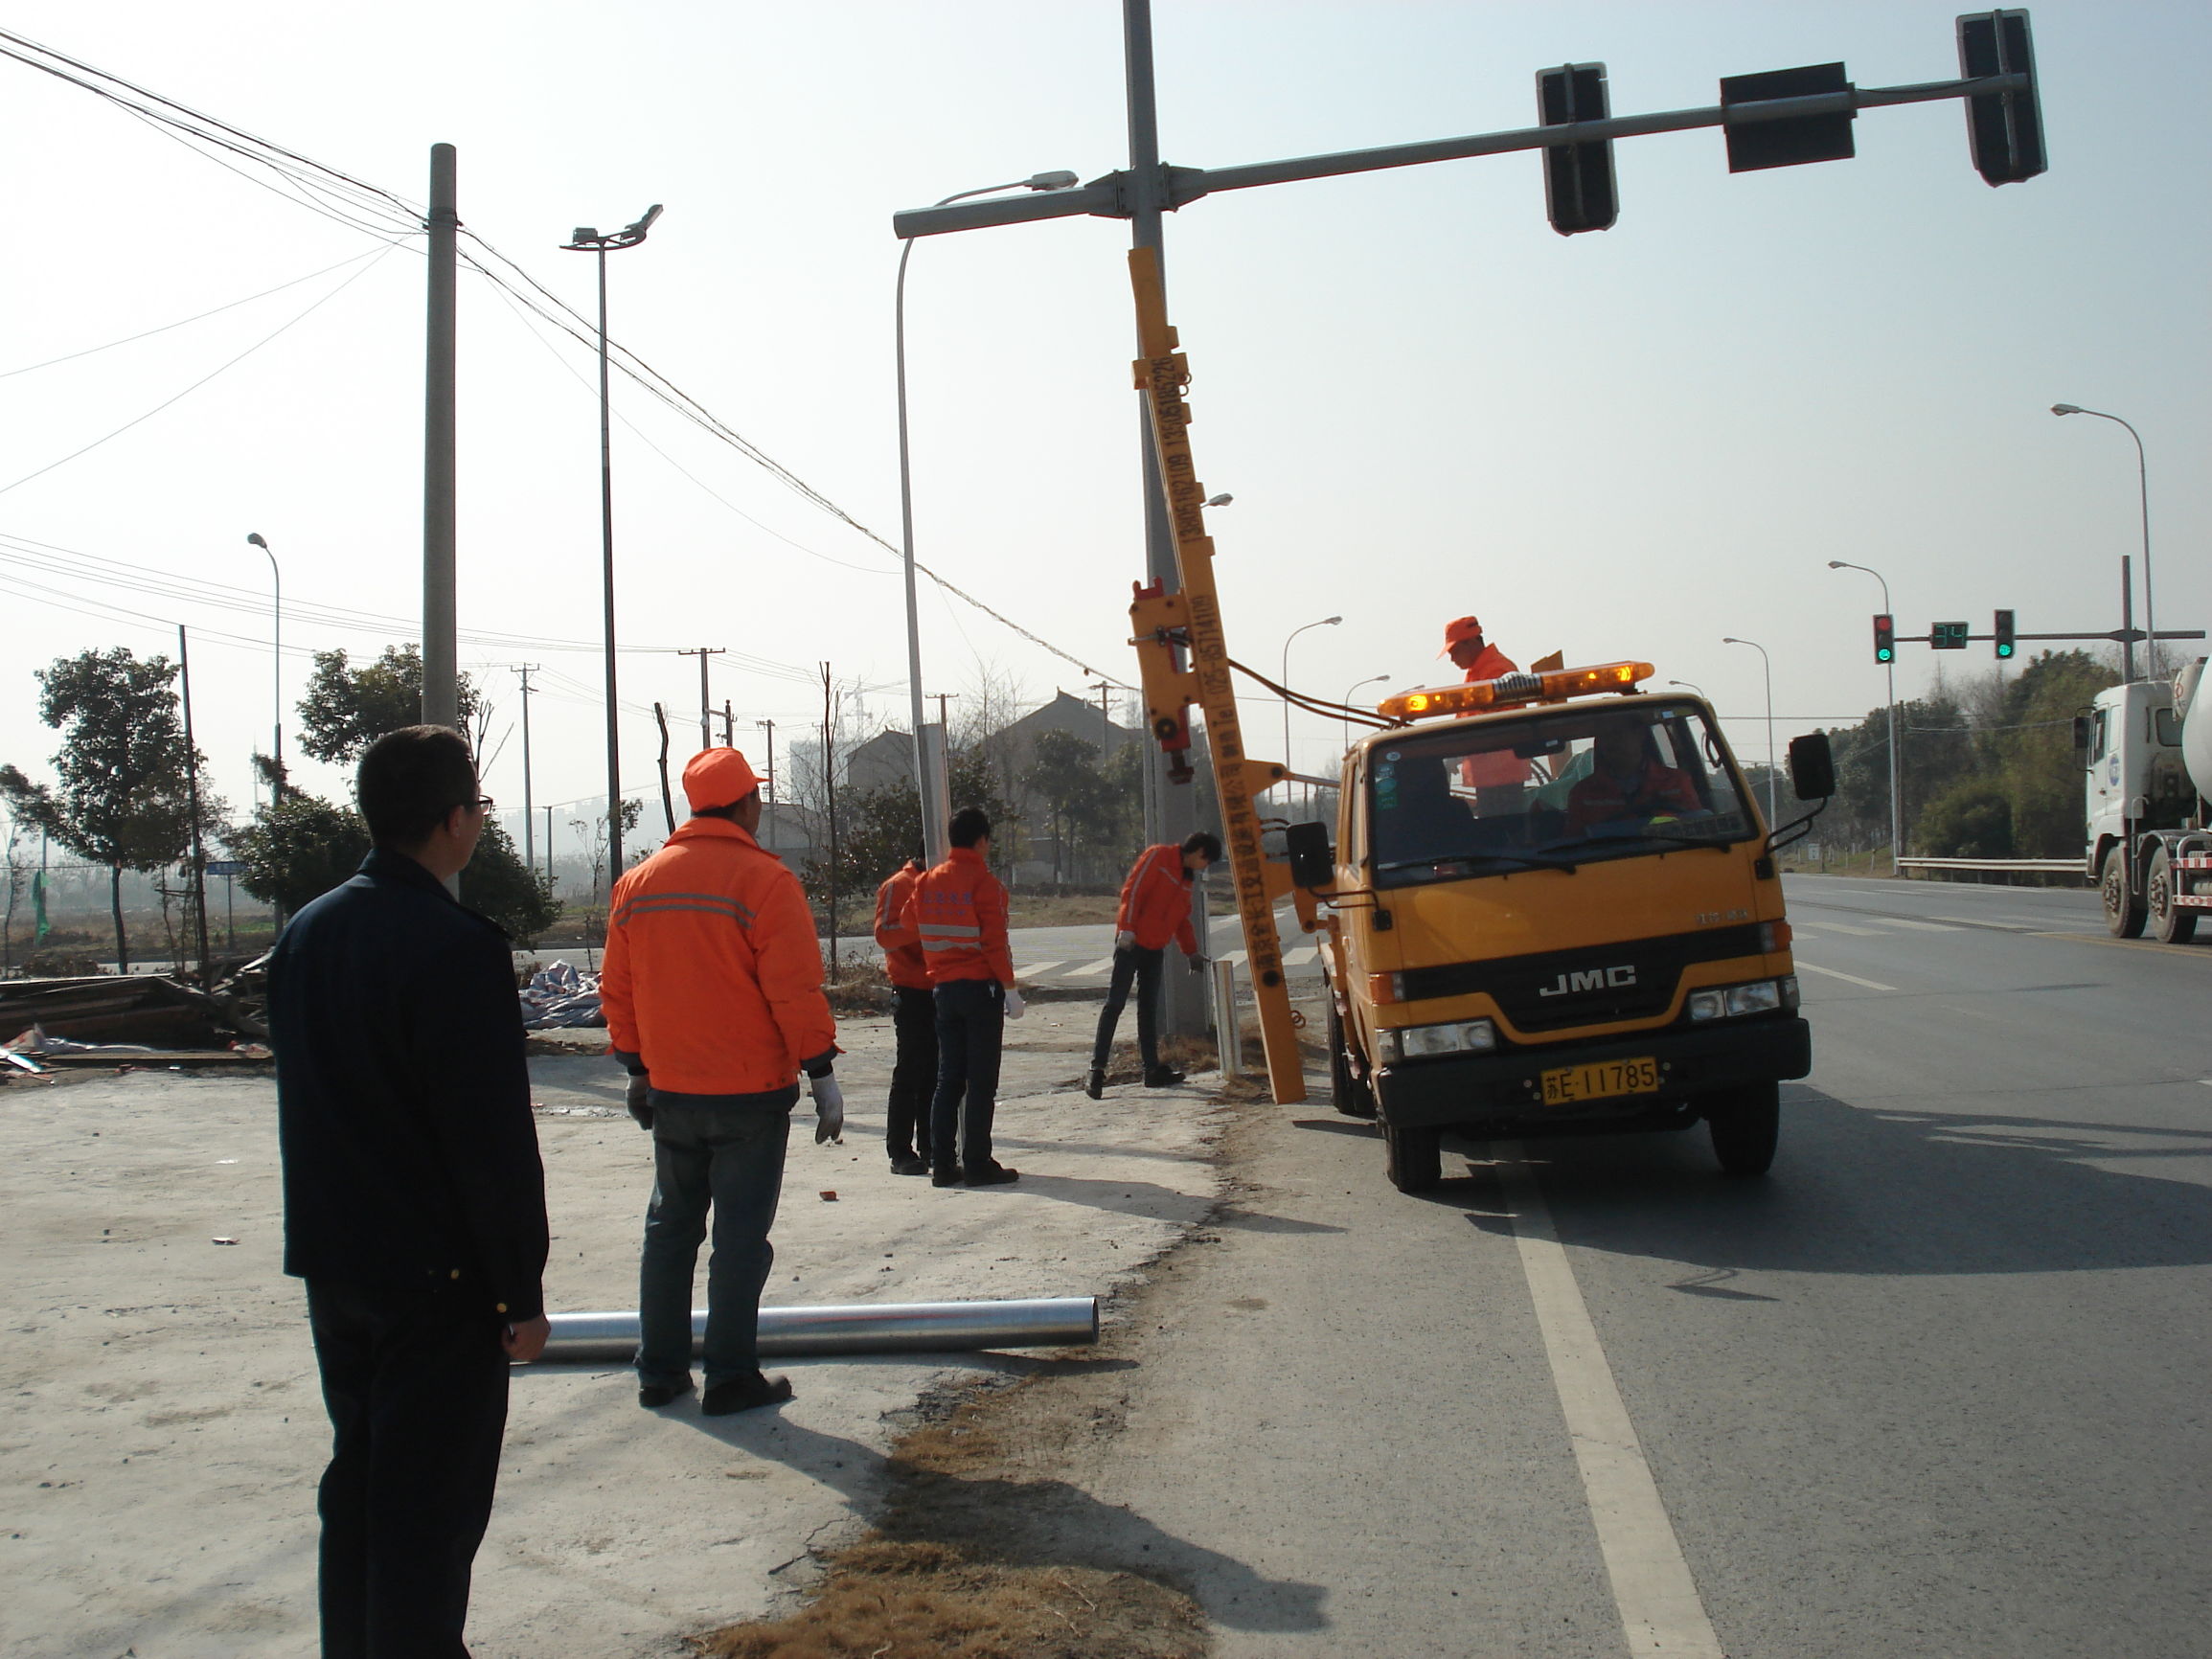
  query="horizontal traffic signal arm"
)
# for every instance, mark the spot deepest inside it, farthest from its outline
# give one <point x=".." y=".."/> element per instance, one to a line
<point x="1114" y="196"/>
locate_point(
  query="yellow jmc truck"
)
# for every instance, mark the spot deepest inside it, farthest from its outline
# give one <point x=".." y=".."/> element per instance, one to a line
<point x="1552" y="909"/>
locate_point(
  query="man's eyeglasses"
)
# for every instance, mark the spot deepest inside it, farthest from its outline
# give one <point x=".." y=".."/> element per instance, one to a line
<point x="482" y="802"/>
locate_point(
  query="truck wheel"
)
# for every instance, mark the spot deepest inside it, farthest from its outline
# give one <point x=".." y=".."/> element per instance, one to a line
<point x="2123" y="912"/>
<point x="1349" y="1094"/>
<point x="1413" y="1156"/>
<point x="1744" y="1123"/>
<point x="2175" y="923"/>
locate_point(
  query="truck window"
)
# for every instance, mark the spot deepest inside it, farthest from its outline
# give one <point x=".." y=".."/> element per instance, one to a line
<point x="2166" y="728"/>
<point x="1565" y="787"/>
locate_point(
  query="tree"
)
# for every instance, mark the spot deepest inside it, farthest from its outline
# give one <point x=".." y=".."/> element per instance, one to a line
<point x="883" y="828"/>
<point x="1973" y="819"/>
<point x="299" y="847"/>
<point x="348" y="708"/>
<point x="122" y="799"/>
<point x="1064" y="775"/>
<point x="498" y="887"/>
<point x="594" y="831"/>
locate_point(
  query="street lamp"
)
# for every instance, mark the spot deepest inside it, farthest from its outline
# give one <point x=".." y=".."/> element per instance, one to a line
<point x="1370" y="680"/>
<point x="1325" y="623"/>
<point x="932" y="821"/>
<point x="1689" y="685"/>
<point x="1768" y="668"/>
<point x="276" y="666"/>
<point x="1896" y="816"/>
<point x="589" y="241"/>
<point x="2143" y="487"/>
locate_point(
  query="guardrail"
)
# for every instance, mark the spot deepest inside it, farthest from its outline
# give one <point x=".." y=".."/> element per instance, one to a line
<point x="1997" y="865"/>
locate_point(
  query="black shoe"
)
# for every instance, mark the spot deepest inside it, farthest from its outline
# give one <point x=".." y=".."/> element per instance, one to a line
<point x="993" y="1176"/>
<point x="910" y="1164"/>
<point x="652" y="1396"/>
<point x="1094" y="1083"/>
<point x="743" y="1394"/>
<point x="949" y="1176"/>
<point x="1162" y="1078"/>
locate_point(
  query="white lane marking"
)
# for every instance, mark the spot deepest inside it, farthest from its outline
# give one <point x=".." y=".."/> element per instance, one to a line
<point x="1039" y="967"/>
<point x="1234" y="956"/>
<point x="1847" y="978"/>
<point x="1657" y="1599"/>
<point x="1855" y="931"/>
<point x="1299" y="958"/>
<point x="1103" y="965"/>
<point x="1919" y="926"/>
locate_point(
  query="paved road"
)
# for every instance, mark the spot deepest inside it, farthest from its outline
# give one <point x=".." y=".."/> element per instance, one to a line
<point x="1936" y="1386"/>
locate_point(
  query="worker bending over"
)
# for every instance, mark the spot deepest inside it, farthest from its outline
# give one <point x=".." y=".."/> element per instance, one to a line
<point x="1155" y="908"/>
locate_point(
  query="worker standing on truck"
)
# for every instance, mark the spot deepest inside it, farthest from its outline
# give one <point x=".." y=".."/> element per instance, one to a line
<point x="713" y="992"/>
<point x="1155" y="908"/>
<point x="1497" y="776"/>
<point x="958" y="911"/>
<point x="913" y="1025"/>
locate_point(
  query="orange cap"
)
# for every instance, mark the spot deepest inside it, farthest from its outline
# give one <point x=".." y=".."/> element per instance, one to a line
<point x="717" y="778"/>
<point x="1466" y="628"/>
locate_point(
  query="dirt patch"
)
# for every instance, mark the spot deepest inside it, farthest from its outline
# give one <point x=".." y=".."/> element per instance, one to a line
<point x="1060" y="909"/>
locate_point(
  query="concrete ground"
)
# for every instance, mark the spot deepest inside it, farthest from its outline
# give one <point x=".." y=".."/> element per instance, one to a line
<point x="161" y="1431"/>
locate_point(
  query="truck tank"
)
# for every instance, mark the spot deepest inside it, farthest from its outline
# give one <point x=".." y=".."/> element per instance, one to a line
<point x="2195" y="726"/>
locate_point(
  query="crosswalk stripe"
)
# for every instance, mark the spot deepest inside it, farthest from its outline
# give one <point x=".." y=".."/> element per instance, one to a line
<point x="1103" y="965"/>
<point x="1038" y="968"/>
<point x="1299" y="958"/>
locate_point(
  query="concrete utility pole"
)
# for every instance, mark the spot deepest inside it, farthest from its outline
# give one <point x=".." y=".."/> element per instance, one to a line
<point x="769" y="726"/>
<point x="441" y="653"/>
<point x="529" y="827"/>
<point x="706" y="706"/>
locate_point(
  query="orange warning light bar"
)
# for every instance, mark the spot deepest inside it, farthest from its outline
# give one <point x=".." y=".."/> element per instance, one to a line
<point x="1508" y="690"/>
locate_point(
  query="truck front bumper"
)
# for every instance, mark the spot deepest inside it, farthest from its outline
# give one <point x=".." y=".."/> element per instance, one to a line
<point x="1501" y="1096"/>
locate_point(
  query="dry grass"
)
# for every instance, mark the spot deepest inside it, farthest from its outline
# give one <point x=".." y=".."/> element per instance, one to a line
<point x="1060" y="909"/>
<point x="861" y="987"/>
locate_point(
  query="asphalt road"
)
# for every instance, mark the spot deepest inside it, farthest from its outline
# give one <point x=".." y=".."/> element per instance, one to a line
<point x="1937" y="1386"/>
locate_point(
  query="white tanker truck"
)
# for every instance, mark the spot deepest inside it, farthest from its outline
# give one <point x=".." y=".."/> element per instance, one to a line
<point x="2148" y="798"/>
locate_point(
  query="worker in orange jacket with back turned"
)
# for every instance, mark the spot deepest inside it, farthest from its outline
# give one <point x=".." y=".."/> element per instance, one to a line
<point x="713" y="992"/>
<point x="913" y="1025"/>
<point x="1155" y="908"/>
<point x="958" y="913"/>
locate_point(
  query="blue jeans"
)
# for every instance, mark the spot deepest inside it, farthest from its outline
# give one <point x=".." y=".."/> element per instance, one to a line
<point x="730" y="1158"/>
<point x="970" y="1022"/>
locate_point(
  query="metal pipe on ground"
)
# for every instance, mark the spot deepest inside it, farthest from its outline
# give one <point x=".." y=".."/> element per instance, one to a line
<point x="908" y="1328"/>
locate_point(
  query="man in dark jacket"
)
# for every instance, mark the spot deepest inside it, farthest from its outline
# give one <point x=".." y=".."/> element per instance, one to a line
<point x="414" y="1200"/>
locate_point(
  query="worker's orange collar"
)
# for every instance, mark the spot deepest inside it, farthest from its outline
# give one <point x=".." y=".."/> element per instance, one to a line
<point x="963" y="855"/>
<point x="693" y="829"/>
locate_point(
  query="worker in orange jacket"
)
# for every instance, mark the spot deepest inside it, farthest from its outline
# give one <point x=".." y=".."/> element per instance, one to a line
<point x="712" y="987"/>
<point x="1155" y="908"/>
<point x="957" y="912"/>
<point x="1501" y="770"/>
<point x="913" y="1024"/>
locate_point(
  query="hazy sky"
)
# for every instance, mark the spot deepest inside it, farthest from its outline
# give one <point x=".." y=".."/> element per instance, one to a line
<point x="1425" y="401"/>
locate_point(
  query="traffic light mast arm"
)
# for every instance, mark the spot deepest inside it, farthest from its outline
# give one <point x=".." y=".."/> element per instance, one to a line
<point x="1161" y="375"/>
<point x="1111" y="197"/>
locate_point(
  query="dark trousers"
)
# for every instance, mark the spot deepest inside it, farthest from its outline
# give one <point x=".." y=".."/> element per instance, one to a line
<point x="729" y="1159"/>
<point x="913" y="1073"/>
<point x="1132" y="963"/>
<point x="970" y="1022"/>
<point x="416" y="1385"/>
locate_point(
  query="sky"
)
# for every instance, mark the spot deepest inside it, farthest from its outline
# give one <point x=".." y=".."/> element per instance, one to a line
<point x="1425" y="402"/>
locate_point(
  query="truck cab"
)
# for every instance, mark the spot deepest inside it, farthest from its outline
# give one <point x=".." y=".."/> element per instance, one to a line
<point x="1556" y="911"/>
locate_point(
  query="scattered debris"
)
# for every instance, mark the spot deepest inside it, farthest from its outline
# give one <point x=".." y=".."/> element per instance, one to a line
<point x="143" y="1010"/>
<point x="223" y="1240"/>
<point x="829" y="1196"/>
<point x="561" y="994"/>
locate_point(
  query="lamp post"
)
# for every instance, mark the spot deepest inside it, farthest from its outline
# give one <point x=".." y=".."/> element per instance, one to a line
<point x="1370" y="680"/>
<point x="276" y="666"/>
<point x="1689" y="685"/>
<point x="2143" y="489"/>
<point x="1890" y="669"/>
<point x="1324" y="623"/>
<point x="1768" y="668"/>
<point x="932" y="821"/>
<point x="587" y="241"/>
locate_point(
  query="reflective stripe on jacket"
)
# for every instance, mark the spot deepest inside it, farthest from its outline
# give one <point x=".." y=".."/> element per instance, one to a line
<point x="958" y="912"/>
<point x="713" y="975"/>
<point x="902" y="957"/>
<point x="1156" y="900"/>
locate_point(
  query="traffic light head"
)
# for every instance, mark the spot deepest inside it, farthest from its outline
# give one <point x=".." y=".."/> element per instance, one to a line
<point x="1884" y="639"/>
<point x="2004" y="129"/>
<point x="2003" y="633"/>
<point x="1578" y="178"/>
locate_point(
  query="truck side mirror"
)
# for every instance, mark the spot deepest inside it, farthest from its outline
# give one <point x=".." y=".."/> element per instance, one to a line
<point x="1812" y="767"/>
<point x="1313" y="860"/>
<point x="2085" y="731"/>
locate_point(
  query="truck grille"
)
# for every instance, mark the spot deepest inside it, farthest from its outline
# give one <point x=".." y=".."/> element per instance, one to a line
<point x="1548" y="990"/>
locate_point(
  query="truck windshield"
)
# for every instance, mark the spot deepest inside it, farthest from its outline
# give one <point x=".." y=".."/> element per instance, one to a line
<point x="1550" y="790"/>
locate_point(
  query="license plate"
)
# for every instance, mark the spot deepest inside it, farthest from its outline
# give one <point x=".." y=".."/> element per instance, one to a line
<point x="1601" y="1082"/>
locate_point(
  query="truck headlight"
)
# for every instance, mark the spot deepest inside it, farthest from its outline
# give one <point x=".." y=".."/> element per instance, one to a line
<point x="1731" y="1001"/>
<point x="1414" y="1042"/>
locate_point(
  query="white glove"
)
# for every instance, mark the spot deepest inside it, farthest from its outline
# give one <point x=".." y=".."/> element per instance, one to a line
<point x="1125" y="939"/>
<point x="828" y="1108"/>
<point x="1016" y="1008"/>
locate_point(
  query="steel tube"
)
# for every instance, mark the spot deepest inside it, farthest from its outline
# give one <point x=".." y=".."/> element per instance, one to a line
<point x="897" y="1328"/>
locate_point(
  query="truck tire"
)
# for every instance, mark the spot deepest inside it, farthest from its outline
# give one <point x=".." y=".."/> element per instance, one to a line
<point x="1744" y="1123"/>
<point x="1347" y="1092"/>
<point x="2123" y="912"/>
<point x="2174" y="923"/>
<point x="1413" y="1156"/>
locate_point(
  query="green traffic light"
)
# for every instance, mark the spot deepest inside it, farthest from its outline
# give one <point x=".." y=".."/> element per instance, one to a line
<point x="1884" y="655"/>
